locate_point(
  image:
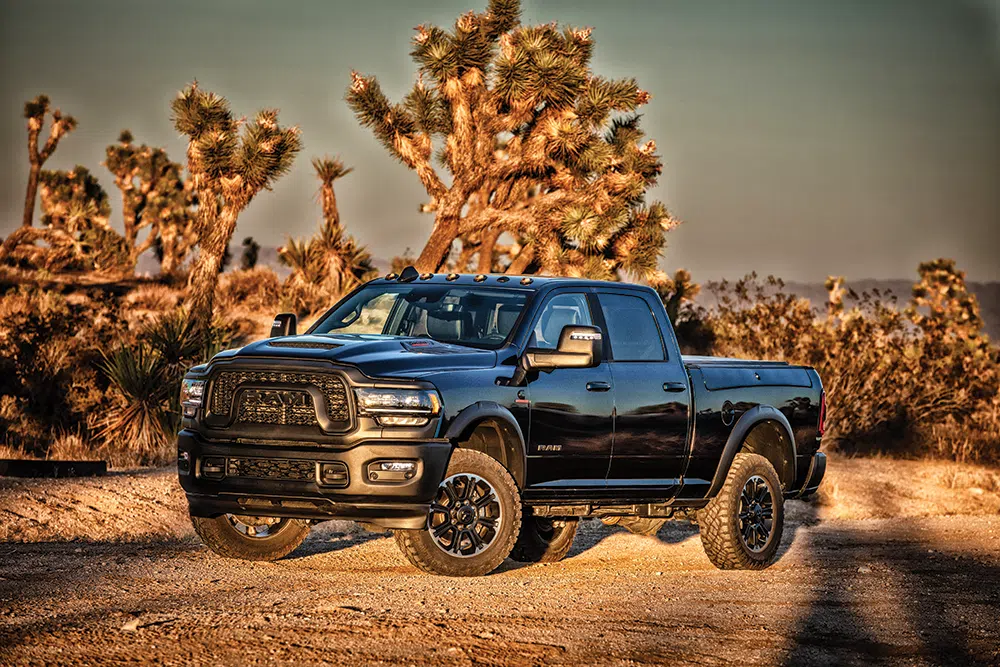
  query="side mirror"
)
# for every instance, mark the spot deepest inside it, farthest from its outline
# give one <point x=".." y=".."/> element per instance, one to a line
<point x="580" y="346"/>
<point x="284" y="325"/>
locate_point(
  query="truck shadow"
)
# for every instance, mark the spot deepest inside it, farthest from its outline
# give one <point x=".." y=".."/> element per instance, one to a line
<point x="936" y="612"/>
<point x="593" y="532"/>
<point x="331" y="541"/>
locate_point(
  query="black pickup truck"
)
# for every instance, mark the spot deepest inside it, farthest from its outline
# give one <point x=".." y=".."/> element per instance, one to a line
<point x="481" y="417"/>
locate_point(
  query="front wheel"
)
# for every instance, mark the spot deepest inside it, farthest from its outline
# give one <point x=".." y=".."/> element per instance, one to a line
<point x="251" y="537"/>
<point x="741" y="527"/>
<point x="473" y="520"/>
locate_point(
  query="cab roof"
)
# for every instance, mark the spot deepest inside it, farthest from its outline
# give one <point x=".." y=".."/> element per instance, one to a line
<point x="533" y="283"/>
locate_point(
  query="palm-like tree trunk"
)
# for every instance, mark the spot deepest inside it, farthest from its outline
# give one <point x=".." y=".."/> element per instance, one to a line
<point x="330" y="212"/>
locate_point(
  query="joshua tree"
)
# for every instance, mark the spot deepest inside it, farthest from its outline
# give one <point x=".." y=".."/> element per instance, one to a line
<point x="73" y="200"/>
<point x="74" y="231"/>
<point x="153" y="191"/>
<point x="230" y="161"/>
<point x="331" y="263"/>
<point x="675" y="291"/>
<point x="329" y="170"/>
<point x="536" y="146"/>
<point x="177" y="229"/>
<point x="34" y="112"/>
<point x="251" y="253"/>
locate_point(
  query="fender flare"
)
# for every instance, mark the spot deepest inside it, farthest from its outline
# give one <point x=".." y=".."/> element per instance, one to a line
<point x="747" y="421"/>
<point x="464" y="422"/>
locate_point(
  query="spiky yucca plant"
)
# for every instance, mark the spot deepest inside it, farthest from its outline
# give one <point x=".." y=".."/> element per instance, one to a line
<point x="229" y="161"/>
<point x="140" y="419"/>
<point x="535" y="143"/>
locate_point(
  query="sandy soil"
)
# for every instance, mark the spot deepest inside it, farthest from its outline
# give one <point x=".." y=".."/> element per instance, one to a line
<point x="107" y="571"/>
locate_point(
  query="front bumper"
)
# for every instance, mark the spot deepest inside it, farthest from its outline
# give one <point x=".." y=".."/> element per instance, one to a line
<point x="213" y="474"/>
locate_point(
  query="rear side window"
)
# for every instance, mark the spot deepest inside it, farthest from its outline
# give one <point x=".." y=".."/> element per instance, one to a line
<point x="632" y="329"/>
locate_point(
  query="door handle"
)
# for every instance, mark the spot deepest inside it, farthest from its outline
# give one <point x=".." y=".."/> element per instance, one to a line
<point x="674" y="386"/>
<point x="598" y="386"/>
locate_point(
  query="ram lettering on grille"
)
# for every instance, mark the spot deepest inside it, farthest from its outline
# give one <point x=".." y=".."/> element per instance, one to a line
<point x="285" y="406"/>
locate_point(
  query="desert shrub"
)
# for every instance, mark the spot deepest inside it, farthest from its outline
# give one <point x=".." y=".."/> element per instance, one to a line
<point x="257" y="289"/>
<point x="918" y="379"/>
<point x="49" y="346"/>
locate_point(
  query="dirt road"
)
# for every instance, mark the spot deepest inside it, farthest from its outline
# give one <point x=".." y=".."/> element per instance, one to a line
<point x="915" y="590"/>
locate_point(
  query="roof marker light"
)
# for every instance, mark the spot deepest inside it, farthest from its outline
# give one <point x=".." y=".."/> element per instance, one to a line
<point x="503" y="279"/>
<point x="480" y="277"/>
<point x="525" y="281"/>
<point x="426" y="276"/>
<point x="452" y="276"/>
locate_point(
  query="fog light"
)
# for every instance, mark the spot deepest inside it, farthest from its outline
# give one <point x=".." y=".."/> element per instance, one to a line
<point x="183" y="461"/>
<point x="392" y="471"/>
<point x="397" y="466"/>
<point x="190" y="410"/>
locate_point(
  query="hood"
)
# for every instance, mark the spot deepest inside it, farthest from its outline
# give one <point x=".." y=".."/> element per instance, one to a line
<point x="373" y="355"/>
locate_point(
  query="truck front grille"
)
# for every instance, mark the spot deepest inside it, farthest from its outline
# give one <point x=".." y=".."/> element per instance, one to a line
<point x="286" y="469"/>
<point x="288" y="403"/>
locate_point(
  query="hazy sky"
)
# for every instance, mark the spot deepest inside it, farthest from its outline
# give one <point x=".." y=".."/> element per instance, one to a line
<point x="800" y="137"/>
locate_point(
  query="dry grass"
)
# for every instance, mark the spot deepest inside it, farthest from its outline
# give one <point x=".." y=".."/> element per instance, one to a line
<point x="157" y="298"/>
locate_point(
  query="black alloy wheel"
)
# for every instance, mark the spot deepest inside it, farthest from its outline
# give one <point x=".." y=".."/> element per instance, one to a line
<point x="466" y="515"/>
<point x="756" y="514"/>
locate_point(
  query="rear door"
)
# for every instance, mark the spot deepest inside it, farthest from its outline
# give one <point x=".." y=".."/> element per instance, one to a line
<point x="651" y="392"/>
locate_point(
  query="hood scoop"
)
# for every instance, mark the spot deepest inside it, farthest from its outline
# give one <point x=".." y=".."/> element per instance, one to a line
<point x="307" y="345"/>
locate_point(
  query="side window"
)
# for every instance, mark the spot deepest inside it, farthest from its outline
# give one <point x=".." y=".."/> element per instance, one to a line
<point x="631" y="328"/>
<point x="559" y="311"/>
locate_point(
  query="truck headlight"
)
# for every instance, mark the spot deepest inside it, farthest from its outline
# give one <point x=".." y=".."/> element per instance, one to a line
<point x="399" y="407"/>
<point x="192" y="393"/>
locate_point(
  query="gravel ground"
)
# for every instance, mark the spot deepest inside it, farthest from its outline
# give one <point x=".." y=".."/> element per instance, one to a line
<point x="906" y="590"/>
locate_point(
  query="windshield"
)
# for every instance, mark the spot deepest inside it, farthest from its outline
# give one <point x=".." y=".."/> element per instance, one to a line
<point x="479" y="317"/>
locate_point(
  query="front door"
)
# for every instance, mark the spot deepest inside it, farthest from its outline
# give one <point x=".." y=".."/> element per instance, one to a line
<point x="570" y="435"/>
<point x="651" y="396"/>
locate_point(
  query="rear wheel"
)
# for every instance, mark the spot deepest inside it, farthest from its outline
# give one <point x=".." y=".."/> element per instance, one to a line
<point x="251" y="537"/>
<point x="741" y="527"/>
<point x="544" y="540"/>
<point x="473" y="520"/>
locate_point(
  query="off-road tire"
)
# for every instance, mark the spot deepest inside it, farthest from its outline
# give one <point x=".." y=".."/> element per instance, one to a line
<point x="221" y="537"/>
<point x="720" y="523"/>
<point x="544" y="540"/>
<point x="645" y="526"/>
<point x="419" y="547"/>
